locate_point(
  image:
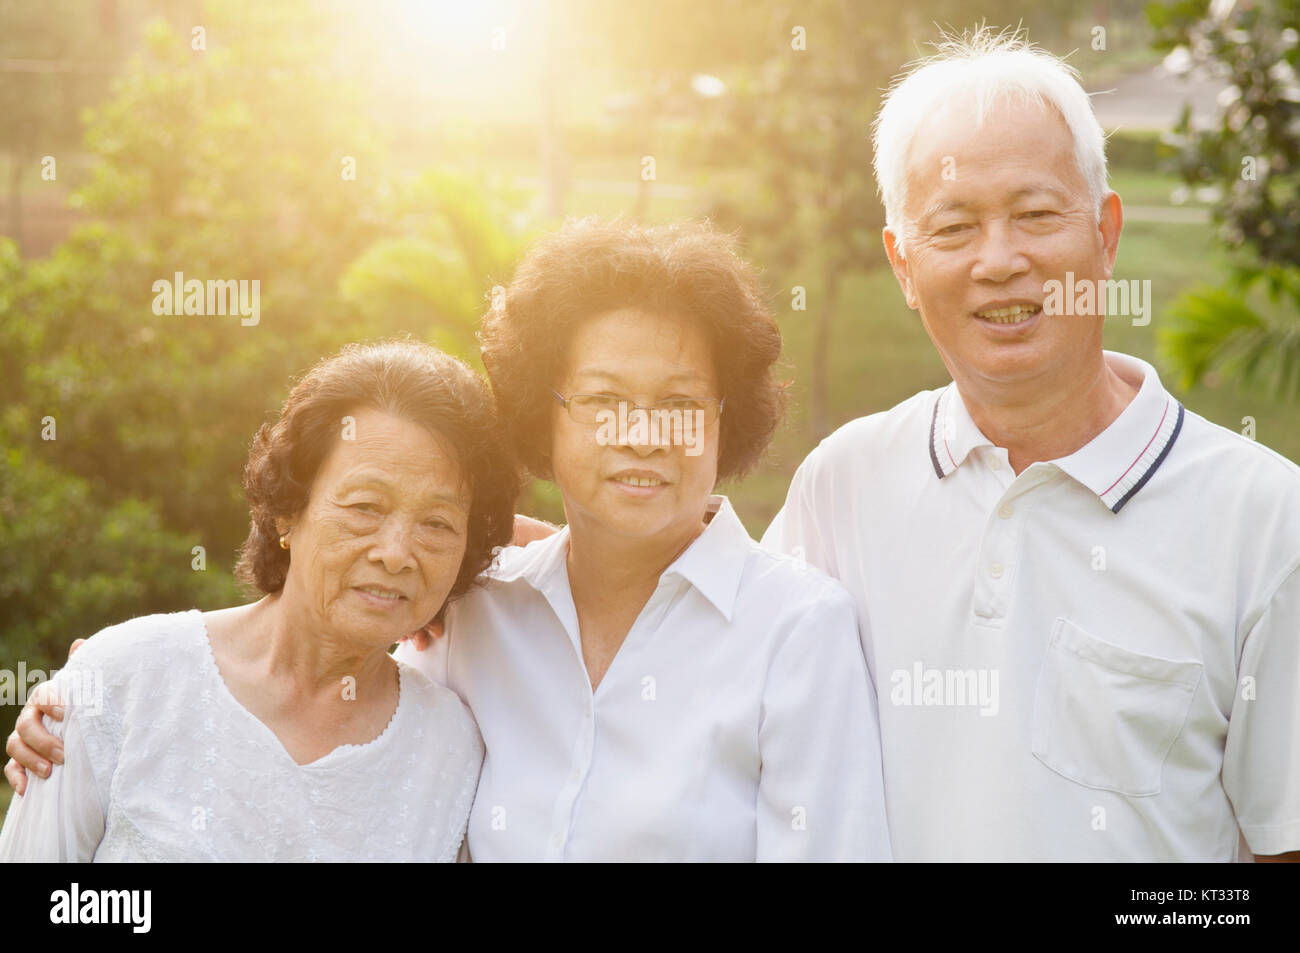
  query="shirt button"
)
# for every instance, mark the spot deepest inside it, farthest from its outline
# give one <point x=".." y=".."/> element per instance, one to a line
<point x="995" y="463"/>
<point x="995" y="570"/>
<point x="556" y="840"/>
<point x="573" y="775"/>
<point x="1005" y="511"/>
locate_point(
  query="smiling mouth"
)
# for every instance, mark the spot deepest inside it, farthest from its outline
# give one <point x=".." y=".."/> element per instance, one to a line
<point x="1012" y="314"/>
<point x="381" y="593"/>
<point x="639" y="481"/>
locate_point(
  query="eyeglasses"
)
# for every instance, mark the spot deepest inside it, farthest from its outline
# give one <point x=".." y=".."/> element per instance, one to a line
<point x="594" y="408"/>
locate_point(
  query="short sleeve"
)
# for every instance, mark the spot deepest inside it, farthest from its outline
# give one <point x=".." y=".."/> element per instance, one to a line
<point x="800" y="529"/>
<point x="821" y="788"/>
<point x="60" y="818"/>
<point x="1261" y="761"/>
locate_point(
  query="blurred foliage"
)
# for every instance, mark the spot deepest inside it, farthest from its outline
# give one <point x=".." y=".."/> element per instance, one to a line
<point x="1250" y="160"/>
<point x="455" y="243"/>
<point x="221" y="163"/>
<point x="227" y="163"/>
<point x="40" y="107"/>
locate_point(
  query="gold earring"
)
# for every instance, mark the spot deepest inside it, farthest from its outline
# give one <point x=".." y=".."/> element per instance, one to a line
<point x="284" y="542"/>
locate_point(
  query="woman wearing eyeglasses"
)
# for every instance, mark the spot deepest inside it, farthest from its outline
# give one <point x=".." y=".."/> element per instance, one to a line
<point x="649" y="683"/>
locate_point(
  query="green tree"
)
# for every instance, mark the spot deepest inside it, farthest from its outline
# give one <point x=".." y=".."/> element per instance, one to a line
<point x="53" y="62"/>
<point x="233" y="161"/>
<point x="1252" y="159"/>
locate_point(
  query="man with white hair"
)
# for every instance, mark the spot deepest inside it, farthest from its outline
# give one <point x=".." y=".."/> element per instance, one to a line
<point x="1079" y="601"/>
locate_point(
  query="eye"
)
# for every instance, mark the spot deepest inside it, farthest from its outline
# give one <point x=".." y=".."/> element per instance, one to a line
<point x="1038" y="213"/>
<point x="439" y="524"/>
<point x="684" y="403"/>
<point x="952" y="229"/>
<point x="364" y="507"/>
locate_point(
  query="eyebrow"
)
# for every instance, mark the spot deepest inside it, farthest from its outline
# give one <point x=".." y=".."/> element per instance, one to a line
<point x="380" y="481"/>
<point x="939" y="208"/>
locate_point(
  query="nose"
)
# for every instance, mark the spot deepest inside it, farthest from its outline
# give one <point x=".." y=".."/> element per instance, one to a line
<point x="998" y="257"/>
<point x="643" y="435"/>
<point x="392" y="546"/>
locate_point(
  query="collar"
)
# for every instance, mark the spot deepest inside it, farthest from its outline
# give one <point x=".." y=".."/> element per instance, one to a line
<point x="712" y="564"/>
<point x="1114" y="465"/>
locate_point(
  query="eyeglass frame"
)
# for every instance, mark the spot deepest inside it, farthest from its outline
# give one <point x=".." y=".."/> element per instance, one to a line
<point x="566" y="401"/>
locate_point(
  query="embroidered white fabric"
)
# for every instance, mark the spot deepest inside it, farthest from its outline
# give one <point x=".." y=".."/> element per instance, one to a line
<point x="162" y="763"/>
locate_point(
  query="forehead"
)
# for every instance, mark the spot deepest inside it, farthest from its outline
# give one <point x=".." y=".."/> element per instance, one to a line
<point x="1018" y="147"/>
<point x="637" y="344"/>
<point x="378" y="447"/>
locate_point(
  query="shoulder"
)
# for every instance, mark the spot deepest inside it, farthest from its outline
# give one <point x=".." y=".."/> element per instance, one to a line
<point x="143" y="671"/>
<point x="880" y="433"/>
<point x="792" y="591"/>
<point x="430" y="700"/>
<point x="1242" y="488"/>
<point x="143" y="645"/>
<point x="510" y="582"/>
<point x="1211" y="445"/>
<point x="1235" y="477"/>
<point x="511" y="562"/>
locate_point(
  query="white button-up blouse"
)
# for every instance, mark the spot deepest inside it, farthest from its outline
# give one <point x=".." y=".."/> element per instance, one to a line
<point x="736" y="723"/>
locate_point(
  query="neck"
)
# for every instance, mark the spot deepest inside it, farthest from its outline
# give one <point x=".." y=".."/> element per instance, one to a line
<point x="289" y="642"/>
<point x="604" y="567"/>
<point x="1047" y="421"/>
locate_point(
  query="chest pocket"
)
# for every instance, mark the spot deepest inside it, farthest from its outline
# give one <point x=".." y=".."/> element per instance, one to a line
<point x="1106" y="717"/>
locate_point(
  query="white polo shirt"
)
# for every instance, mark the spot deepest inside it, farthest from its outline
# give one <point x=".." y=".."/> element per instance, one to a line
<point x="1098" y="659"/>
<point x="736" y="723"/>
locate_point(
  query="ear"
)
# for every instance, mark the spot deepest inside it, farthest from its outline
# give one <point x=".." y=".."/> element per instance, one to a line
<point x="1110" y="223"/>
<point x="902" y="270"/>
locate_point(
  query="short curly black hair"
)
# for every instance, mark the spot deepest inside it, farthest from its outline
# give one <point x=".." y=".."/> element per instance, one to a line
<point x="415" y="382"/>
<point x="589" y="268"/>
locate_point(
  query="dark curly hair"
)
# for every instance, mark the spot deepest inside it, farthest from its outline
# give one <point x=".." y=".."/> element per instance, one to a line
<point x="589" y="268"/>
<point x="413" y="381"/>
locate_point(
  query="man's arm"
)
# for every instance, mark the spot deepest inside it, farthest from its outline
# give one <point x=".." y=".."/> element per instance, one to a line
<point x="1261" y="758"/>
<point x="821" y="789"/>
<point x="802" y="527"/>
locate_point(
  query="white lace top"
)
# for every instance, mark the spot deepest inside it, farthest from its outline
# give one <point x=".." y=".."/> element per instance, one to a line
<point x="163" y="764"/>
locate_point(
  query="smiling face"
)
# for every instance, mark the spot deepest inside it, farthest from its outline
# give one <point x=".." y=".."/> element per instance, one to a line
<point x="995" y="212"/>
<point x="634" y="489"/>
<point x="379" y="544"/>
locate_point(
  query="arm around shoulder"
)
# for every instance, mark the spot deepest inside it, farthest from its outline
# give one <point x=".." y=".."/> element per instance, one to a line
<point x="821" y="793"/>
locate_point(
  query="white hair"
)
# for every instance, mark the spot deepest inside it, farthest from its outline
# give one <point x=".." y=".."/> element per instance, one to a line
<point x="992" y="68"/>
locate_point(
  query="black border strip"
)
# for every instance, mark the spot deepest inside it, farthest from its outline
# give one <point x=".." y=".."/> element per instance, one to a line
<point x="934" y="457"/>
<point x="1178" y="425"/>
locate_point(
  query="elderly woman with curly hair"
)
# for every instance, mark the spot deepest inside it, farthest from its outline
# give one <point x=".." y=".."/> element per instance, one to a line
<point x="650" y="683"/>
<point x="284" y="729"/>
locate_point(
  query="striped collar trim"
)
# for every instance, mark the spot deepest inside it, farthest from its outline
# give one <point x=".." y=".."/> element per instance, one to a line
<point x="953" y="434"/>
<point x="1115" y="464"/>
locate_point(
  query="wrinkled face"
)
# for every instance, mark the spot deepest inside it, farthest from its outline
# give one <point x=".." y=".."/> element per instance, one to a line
<point x="644" y="358"/>
<point x="994" y="212"/>
<point x="380" y="543"/>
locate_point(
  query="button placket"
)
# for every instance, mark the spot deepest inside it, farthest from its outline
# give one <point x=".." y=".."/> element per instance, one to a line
<point x="1000" y="547"/>
<point x="651" y="617"/>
